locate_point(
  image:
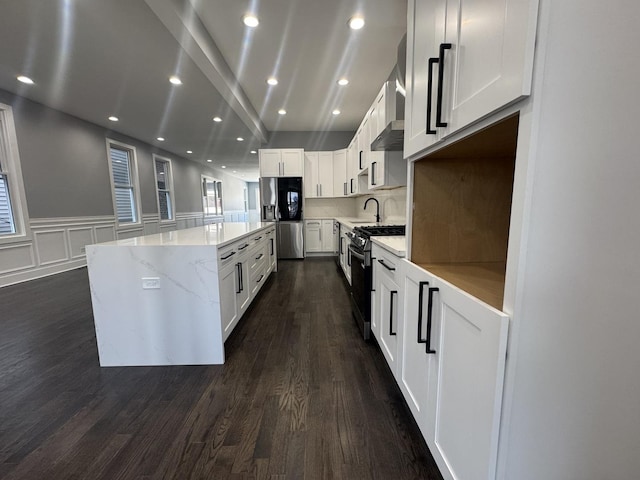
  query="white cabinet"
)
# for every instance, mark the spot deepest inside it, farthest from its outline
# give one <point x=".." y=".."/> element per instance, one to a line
<point x="345" y="255"/>
<point x="318" y="174"/>
<point x="472" y="71"/>
<point x="340" y="173"/>
<point x="273" y="257"/>
<point x="283" y="162"/>
<point x="387" y="304"/>
<point x="229" y="289"/>
<point x="319" y="236"/>
<point x="452" y="372"/>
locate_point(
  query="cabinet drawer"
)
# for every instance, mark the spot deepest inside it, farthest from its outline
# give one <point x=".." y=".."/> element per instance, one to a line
<point x="385" y="264"/>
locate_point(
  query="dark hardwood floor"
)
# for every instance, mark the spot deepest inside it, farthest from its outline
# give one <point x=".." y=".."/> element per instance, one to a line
<point x="300" y="396"/>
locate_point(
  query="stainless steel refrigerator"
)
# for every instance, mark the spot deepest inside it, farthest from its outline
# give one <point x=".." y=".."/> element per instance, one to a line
<point x="281" y="202"/>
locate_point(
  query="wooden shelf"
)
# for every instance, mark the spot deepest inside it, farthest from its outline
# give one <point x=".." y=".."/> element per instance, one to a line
<point x="482" y="280"/>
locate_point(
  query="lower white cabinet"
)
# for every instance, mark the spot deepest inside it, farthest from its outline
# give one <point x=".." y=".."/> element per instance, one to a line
<point x="451" y="372"/>
<point x="387" y="304"/>
<point x="345" y="255"/>
<point x="319" y="236"/>
<point x="273" y="257"/>
<point x="229" y="289"/>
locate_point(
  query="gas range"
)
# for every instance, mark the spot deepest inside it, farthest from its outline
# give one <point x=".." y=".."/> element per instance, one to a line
<point x="361" y="236"/>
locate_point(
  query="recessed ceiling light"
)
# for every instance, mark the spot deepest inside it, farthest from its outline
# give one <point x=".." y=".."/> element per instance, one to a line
<point x="240" y="139"/>
<point x="209" y="160"/>
<point x="343" y="81"/>
<point x="336" y="112"/>
<point x="282" y="111"/>
<point x="235" y="171"/>
<point x="175" y="80"/>
<point x="272" y="81"/>
<point x="217" y="119"/>
<point x="26" y="80"/>
<point x="189" y="151"/>
<point x="250" y="20"/>
<point x="356" y="23"/>
<point x="254" y="152"/>
<point x="223" y="166"/>
<point x="113" y="119"/>
<point x="161" y="173"/>
<point x="161" y="139"/>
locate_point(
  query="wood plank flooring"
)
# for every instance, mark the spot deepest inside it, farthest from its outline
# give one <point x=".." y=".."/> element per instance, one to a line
<point x="301" y="395"/>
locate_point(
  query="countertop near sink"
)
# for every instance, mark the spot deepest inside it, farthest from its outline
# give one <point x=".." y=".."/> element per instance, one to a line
<point x="394" y="244"/>
<point x="351" y="222"/>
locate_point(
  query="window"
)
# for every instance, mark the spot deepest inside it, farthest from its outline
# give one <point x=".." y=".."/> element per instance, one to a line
<point x="211" y="196"/>
<point x="13" y="221"/>
<point x="124" y="182"/>
<point x="164" y="187"/>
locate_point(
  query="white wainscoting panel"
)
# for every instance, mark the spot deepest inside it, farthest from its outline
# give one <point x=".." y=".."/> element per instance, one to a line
<point x="16" y="257"/>
<point x="51" y="246"/>
<point x="79" y="237"/>
<point x="105" y="233"/>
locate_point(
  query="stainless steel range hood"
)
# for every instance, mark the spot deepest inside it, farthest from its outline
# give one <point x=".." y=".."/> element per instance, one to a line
<point x="392" y="137"/>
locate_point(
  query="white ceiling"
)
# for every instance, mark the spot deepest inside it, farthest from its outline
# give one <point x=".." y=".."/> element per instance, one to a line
<point x="95" y="58"/>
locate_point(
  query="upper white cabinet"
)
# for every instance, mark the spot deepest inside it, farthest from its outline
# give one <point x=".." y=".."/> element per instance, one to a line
<point x="281" y="162"/>
<point x="465" y="60"/>
<point x="318" y="174"/>
<point x="340" y="173"/>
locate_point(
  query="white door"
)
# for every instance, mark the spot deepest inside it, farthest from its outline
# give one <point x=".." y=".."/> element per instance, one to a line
<point x="492" y="63"/>
<point x="465" y="394"/>
<point x="340" y="173"/>
<point x="229" y="286"/>
<point x="417" y="365"/>
<point x="244" y="294"/>
<point x="325" y="174"/>
<point x="312" y="238"/>
<point x="311" y="189"/>
<point x="326" y="236"/>
<point x="269" y="163"/>
<point x="292" y="162"/>
<point x="388" y="296"/>
<point x="425" y="33"/>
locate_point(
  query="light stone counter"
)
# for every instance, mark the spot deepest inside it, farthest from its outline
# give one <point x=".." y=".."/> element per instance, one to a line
<point x="156" y="299"/>
<point x="394" y="244"/>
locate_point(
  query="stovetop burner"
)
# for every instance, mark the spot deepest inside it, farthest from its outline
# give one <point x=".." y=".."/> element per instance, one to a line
<point x="379" y="230"/>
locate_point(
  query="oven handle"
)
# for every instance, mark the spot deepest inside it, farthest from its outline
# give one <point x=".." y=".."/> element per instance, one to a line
<point x="359" y="256"/>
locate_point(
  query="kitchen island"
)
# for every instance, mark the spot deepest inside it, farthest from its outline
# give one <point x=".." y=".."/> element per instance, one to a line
<point x="173" y="298"/>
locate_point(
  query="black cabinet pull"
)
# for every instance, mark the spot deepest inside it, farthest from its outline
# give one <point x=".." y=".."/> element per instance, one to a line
<point x="352" y="185"/>
<point x="271" y="239"/>
<point x="381" y="262"/>
<point x="360" y="160"/>
<point x="260" y="279"/>
<point x="349" y="256"/>
<point x="228" y="256"/>
<point x="257" y="238"/>
<point x="341" y="242"/>
<point x="392" y="293"/>
<point x="420" y="304"/>
<point x="373" y="173"/>
<point x="243" y="247"/>
<point x="241" y="277"/>
<point x="259" y="256"/>
<point x="429" y="130"/>
<point x="345" y="189"/>
<point x="439" y="122"/>
<point x="429" y="312"/>
<point x="239" y="272"/>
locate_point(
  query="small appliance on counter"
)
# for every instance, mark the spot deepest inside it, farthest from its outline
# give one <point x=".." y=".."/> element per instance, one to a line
<point x="281" y="202"/>
<point x="361" y="270"/>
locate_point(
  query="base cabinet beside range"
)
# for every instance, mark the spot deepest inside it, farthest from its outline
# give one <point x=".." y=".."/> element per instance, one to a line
<point x="451" y="372"/>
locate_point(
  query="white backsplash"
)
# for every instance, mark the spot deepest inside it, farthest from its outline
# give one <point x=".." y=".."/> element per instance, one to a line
<point x="393" y="206"/>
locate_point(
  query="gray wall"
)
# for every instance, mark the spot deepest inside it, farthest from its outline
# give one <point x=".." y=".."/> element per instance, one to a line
<point x="66" y="172"/>
<point x="320" y="141"/>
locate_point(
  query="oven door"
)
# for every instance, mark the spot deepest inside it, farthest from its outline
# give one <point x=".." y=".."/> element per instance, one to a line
<point x="361" y="290"/>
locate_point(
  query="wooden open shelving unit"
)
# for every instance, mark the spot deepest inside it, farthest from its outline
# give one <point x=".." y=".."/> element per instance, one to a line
<point x="462" y="208"/>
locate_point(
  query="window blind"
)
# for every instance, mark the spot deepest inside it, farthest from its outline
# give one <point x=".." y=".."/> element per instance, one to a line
<point x="6" y="217"/>
<point x="163" y="171"/>
<point x="122" y="185"/>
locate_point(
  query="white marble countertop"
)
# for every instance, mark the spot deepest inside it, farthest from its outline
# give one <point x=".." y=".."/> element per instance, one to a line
<point x="216" y="234"/>
<point x="394" y="244"/>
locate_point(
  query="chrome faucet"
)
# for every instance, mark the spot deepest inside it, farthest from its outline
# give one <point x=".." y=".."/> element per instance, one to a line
<point x="377" y="208"/>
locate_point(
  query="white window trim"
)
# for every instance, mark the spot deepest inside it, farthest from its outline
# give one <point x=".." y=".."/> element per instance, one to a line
<point x="135" y="180"/>
<point x="12" y="169"/>
<point x="171" y="191"/>
<point x="213" y="179"/>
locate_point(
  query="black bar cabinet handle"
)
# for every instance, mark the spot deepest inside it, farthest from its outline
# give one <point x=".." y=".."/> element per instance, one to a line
<point x="241" y="277"/>
<point x="420" y="304"/>
<point x="260" y="279"/>
<point x="439" y="122"/>
<point x="392" y="293"/>
<point x="429" y="312"/>
<point x="349" y="256"/>
<point x="271" y="239"/>
<point x="352" y="185"/>
<point x="360" y="160"/>
<point x="243" y="247"/>
<point x="345" y="188"/>
<point x="258" y="238"/>
<point x="373" y="173"/>
<point x="228" y="256"/>
<point x="259" y="256"/>
<point x="239" y="271"/>
<point x="381" y="262"/>
<point x="429" y="130"/>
